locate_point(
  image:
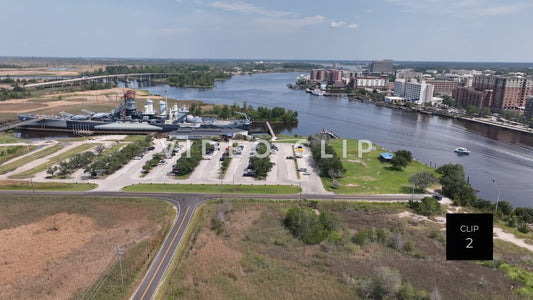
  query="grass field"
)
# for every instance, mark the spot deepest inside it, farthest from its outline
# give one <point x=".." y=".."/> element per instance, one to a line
<point x="9" y="138"/>
<point x="262" y="260"/>
<point x="12" y="185"/>
<point x="212" y="188"/>
<point x="367" y="175"/>
<point x="54" y="160"/>
<point x="29" y="158"/>
<point x="137" y="225"/>
<point x="9" y="152"/>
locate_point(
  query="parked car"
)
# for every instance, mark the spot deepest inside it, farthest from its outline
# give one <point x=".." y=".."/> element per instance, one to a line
<point x="162" y="162"/>
<point x="306" y="173"/>
<point x="206" y="157"/>
<point x="289" y="157"/>
<point x="248" y="174"/>
<point x="302" y="169"/>
<point x="151" y="148"/>
<point x="437" y="196"/>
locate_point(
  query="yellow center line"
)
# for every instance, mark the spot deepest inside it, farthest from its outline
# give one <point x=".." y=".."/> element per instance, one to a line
<point x="166" y="252"/>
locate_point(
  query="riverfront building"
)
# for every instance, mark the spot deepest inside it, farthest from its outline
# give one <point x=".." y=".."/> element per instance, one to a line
<point x="508" y="92"/>
<point x="333" y="77"/>
<point x="467" y="96"/>
<point x="369" y="81"/>
<point x="443" y="87"/>
<point x="418" y="92"/>
<point x="381" y="66"/>
<point x="528" y="112"/>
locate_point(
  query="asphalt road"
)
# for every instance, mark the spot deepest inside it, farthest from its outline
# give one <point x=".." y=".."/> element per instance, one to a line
<point x="186" y="204"/>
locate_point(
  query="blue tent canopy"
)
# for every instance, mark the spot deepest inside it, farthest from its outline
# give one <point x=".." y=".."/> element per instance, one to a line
<point x="386" y="155"/>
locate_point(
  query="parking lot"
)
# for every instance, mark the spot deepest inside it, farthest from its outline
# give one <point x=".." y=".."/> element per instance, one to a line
<point x="207" y="172"/>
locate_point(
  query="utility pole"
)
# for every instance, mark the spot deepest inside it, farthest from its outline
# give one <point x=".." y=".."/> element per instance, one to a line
<point x="498" y="199"/>
<point x="32" y="188"/>
<point x="119" y="253"/>
<point x="300" y="191"/>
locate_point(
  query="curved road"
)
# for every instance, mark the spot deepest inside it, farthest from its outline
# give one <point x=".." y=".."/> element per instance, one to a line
<point x="186" y="204"/>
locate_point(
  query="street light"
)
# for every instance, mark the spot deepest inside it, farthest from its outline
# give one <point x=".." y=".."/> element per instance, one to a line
<point x="498" y="199"/>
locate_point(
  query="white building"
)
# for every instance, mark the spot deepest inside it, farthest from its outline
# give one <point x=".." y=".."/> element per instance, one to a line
<point x="418" y="92"/>
<point x="371" y="82"/>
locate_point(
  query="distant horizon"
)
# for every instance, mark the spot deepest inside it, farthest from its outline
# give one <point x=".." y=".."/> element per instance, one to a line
<point x="255" y="59"/>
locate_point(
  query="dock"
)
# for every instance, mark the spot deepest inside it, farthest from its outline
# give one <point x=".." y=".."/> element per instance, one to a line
<point x="271" y="131"/>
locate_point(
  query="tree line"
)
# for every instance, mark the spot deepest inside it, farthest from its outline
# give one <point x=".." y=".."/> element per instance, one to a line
<point x="329" y="166"/>
<point x="276" y="114"/>
<point x="108" y="163"/>
<point x="455" y="186"/>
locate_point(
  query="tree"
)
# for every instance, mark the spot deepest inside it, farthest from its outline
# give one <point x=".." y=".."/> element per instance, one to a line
<point x="406" y="154"/>
<point x="399" y="162"/>
<point x="422" y="179"/>
<point x="455" y="186"/>
<point x="304" y="224"/>
<point x="100" y="148"/>
<point x="51" y="170"/>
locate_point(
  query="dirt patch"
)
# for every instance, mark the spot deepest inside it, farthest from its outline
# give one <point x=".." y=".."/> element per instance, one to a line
<point x="59" y="255"/>
<point x="367" y="178"/>
<point x="26" y="250"/>
<point x="357" y="161"/>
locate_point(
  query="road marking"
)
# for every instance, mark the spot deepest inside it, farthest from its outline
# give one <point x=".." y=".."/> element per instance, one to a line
<point x="166" y="252"/>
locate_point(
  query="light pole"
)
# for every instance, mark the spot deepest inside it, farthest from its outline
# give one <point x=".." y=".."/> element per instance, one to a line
<point x="498" y="199"/>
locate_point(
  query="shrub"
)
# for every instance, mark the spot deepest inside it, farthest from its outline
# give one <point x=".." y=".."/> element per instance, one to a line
<point x="428" y="206"/>
<point x="305" y="224"/>
<point x="384" y="284"/>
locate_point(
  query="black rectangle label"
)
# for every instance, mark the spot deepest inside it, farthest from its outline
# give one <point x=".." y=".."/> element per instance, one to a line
<point x="469" y="236"/>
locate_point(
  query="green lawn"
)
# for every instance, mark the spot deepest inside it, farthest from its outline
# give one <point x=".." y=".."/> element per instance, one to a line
<point x="18" y="185"/>
<point x="9" y="138"/>
<point x="368" y="175"/>
<point x="54" y="160"/>
<point x="9" y="152"/>
<point x="213" y="188"/>
<point x="27" y="159"/>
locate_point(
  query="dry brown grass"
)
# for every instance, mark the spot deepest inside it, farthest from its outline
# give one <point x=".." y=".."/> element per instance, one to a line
<point x="255" y="257"/>
<point x="55" y="248"/>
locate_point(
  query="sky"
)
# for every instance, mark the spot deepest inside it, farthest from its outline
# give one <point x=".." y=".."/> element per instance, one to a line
<point x="416" y="30"/>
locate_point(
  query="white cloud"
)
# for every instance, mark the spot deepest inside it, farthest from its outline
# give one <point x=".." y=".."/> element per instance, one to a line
<point x="307" y="21"/>
<point x="334" y="24"/>
<point x="248" y="8"/>
<point x="341" y="24"/>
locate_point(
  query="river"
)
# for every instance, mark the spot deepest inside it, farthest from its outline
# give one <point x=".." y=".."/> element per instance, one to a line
<point x="499" y="158"/>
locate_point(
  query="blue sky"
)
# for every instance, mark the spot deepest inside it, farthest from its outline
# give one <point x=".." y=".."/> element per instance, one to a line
<point x="437" y="30"/>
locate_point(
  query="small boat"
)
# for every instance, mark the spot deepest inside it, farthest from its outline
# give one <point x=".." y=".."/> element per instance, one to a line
<point x="461" y="150"/>
<point x="317" y="92"/>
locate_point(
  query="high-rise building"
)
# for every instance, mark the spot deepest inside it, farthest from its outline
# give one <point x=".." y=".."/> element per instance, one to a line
<point x="467" y="96"/>
<point x="381" y="66"/>
<point x="418" y="92"/>
<point x="369" y="81"/>
<point x="509" y="92"/>
<point x="443" y="87"/>
<point x="528" y="112"/>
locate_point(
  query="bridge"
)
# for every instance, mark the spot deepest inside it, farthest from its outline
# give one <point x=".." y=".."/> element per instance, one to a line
<point x="17" y="124"/>
<point x="86" y="79"/>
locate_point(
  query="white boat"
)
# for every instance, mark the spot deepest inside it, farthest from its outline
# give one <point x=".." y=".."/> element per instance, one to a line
<point x="461" y="150"/>
<point x="317" y="92"/>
